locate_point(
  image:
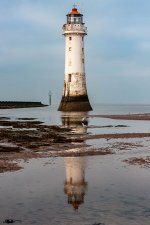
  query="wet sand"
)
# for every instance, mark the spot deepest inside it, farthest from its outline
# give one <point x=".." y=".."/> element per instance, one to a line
<point x="142" y="161"/>
<point x="117" y="136"/>
<point x="39" y="156"/>
<point x="144" y="116"/>
<point x="28" y="138"/>
<point x="23" y="140"/>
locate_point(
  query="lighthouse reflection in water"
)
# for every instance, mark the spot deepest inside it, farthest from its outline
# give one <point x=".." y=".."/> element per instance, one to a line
<point x="75" y="186"/>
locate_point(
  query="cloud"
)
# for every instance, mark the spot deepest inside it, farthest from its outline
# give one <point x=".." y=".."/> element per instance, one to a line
<point x="21" y="56"/>
<point x="145" y="46"/>
<point x="136" y="31"/>
<point x="37" y="16"/>
<point x="32" y="48"/>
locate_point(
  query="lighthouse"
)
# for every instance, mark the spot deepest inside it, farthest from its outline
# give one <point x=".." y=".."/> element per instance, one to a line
<point x="75" y="97"/>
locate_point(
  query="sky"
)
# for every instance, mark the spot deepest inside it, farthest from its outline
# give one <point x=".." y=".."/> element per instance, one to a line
<point x="117" y="50"/>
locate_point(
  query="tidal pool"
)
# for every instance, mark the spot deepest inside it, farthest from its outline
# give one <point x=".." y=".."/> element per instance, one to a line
<point x="77" y="190"/>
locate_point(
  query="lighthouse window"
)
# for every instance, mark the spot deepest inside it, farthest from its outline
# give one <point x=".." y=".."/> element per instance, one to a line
<point x="70" y="38"/>
<point x="72" y="19"/>
<point x="70" y="48"/>
<point x="83" y="60"/>
<point x="69" y="77"/>
<point x="77" y="20"/>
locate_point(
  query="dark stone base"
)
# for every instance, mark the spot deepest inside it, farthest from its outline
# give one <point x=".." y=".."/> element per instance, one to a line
<point x="75" y="104"/>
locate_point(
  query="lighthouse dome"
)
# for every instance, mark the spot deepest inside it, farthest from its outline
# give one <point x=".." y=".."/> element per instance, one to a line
<point x="74" y="11"/>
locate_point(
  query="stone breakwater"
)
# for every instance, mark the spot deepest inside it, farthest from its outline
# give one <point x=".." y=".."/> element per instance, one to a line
<point x="19" y="104"/>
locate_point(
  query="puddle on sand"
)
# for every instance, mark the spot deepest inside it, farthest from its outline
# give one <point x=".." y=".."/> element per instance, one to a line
<point x="76" y="190"/>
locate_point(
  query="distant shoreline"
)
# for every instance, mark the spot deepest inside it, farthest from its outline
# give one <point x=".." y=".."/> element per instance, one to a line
<point x="138" y="116"/>
<point x="19" y="104"/>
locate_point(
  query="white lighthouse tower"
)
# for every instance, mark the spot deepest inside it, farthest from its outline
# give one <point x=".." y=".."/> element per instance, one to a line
<point x="74" y="96"/>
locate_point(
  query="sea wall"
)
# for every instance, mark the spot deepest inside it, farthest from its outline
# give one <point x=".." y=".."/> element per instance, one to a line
<point x="18" y="104"/>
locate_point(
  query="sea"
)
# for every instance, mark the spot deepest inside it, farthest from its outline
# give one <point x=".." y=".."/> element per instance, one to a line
<point x="87" y="190"/>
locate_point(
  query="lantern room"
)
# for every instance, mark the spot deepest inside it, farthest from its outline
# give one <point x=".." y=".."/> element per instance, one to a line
<point x="74" y="17"/>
